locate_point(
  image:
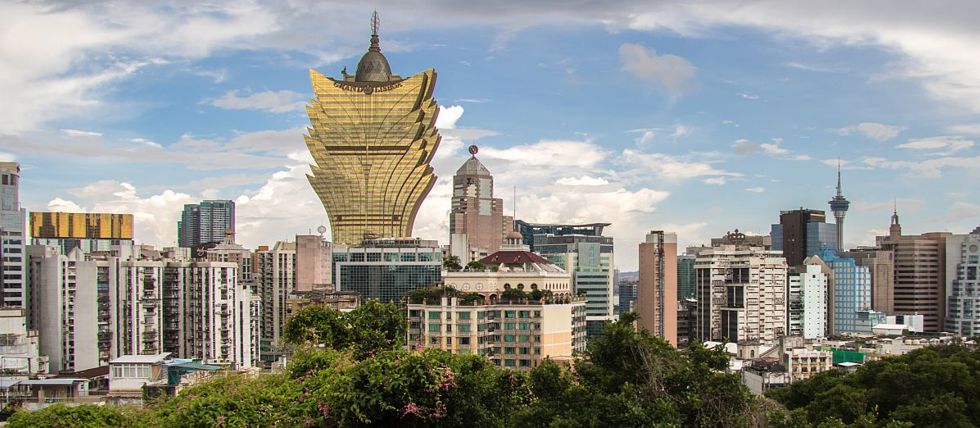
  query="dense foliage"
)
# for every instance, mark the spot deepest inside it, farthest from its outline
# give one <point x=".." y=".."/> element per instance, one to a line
<point x="351" y="370"/>
<point x="927" y="387"/>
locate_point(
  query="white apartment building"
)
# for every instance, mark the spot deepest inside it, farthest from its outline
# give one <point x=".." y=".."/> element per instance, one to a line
<point x="741" y="293"/>
<point x="963" y="283"/>
<point x="12" y="238"/>
<point x="807" y="302"/>
<point x="20" y="348"/>
<point x="93" y="308"/>
<point x="208" y="314"/>
<point x="70" y="308"/>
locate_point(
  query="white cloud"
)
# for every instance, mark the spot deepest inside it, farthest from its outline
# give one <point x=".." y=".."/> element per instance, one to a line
<point x="949" y="144"/>
<point x="584" y="180"/>
<point x="929" y="168"/>
<point x="273" y="101"/>
<point x="969" y="129"/>
<point x="756" y="189"/>
<point x="550" y="153"/>
<point x="670" y="71"/>
<point x="448" y="116"/>
<point x="959" y="212"/>
<point x="748" y="96"/>
<point x="717" y="181"/>
<point x="80" y="133"/>
<point x="873" y="130"/>
<point x="773" y="148"/>
<point x="667" y="167"/>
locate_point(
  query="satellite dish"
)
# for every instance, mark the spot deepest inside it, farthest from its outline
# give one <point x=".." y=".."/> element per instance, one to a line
<point x="322" y="229"/>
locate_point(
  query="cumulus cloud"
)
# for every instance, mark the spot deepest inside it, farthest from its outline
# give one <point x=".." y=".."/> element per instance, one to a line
<point x="969" y="129"/>
<point x="873" y="130"/>
<point x="582" y="181"/>
<point x="670" y="71"/>
<point x="945" y="144"/>
<point x="756" y="189"/>
<point x="717" y="181"/>
<point x="929" y="168"/>
<point x="667" y="167"/>
<point x="272" y="101"/>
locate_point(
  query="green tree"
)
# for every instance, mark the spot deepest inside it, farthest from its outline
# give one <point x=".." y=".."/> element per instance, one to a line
<point x="476" y="266"/>
<point x="452" y="264"/>
<point x="367" y="329"/>
<point x="63" y="416"/>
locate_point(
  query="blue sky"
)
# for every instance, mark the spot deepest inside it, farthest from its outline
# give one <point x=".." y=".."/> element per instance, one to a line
<point x="648" y="115"/>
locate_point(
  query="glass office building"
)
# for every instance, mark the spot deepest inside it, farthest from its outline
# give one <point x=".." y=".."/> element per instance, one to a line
<point x="386" y="270"/>
<point x="590" y="261"/>
<point x="852" y="313"/>
<point x="685" y="276"/>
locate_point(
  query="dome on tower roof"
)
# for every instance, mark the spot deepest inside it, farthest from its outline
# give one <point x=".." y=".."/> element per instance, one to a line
<point x="373" y="66"/>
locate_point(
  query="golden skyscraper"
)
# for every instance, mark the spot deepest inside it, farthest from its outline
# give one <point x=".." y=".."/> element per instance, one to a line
<point x="372" y="137"/>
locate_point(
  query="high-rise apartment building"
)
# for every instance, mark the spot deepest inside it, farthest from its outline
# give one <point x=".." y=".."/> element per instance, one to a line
<point x="741" y="294"/>
<point x="207" y="314"/>
<point x="963" y="283"/>
<point x="387" y="269"/>
<point x="590" y="261"/>
<point x="276" y="280"/>
<point x="372" y="136"/>
<point x="802" y="233"/>
<point x="807" y="298"/>
<point x="13" y="291"/>
<point x="92" y="308"/>
<point x="920" y="274"/>
<point x="477" y="223"/>
<point x="850" y="297"/>
<point x="656" y="290"/>
<point x="207" y="222"/>
<point x="86" y="231"/>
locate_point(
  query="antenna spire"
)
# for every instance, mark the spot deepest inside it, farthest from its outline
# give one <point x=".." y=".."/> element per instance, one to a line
<point x="838" y="178"/>
<point x="375" y="23"/>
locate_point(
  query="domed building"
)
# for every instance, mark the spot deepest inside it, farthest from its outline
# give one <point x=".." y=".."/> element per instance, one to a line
<point x="372" y="136"/>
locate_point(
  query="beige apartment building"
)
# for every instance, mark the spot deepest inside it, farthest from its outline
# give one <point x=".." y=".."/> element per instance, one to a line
<point x="656" y="290"/>
<point x="515" y="335"/>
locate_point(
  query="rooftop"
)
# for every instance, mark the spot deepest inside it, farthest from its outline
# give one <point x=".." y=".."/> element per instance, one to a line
<point x="140" y="359"/>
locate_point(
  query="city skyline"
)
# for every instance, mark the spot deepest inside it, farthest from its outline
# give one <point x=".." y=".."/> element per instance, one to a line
<point x="662" y="117"/>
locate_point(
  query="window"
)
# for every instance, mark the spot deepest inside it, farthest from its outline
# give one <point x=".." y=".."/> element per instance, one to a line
<point x="433" y="328"/>
<point x="509" y="314"/>
<point x="434" y="315"/>
<point x="524" y="325"/>
<point x="509" y="338"/>
<point x="524" y="339"/>
<point x="463" y="328"/>
<point x="463" y="316"/>
<point x="524" y="314"/>
<point x="464" y="341"/>
<point x="509" y="363"/>
<point x="509" y="326"/>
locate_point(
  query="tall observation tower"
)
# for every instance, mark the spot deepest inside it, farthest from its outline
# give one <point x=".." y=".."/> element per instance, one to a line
<point x="372" y="135"/>
<point x="839" y="206"/>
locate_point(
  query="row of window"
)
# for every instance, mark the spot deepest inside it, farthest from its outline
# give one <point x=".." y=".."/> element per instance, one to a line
<point x="141" y="371"/>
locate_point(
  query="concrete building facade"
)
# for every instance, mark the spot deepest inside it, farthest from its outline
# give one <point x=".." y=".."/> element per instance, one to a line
<point x="808" y="296"/>
<point x="477" y="224"/>
<point x="920" y="274"/>
<point x="656" y="290"/>
<point x="963" y="283"/>
<point x="13" y="282"/>
<point x="741" y="294"/>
